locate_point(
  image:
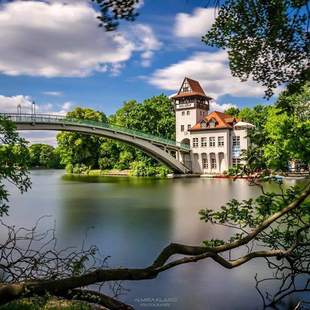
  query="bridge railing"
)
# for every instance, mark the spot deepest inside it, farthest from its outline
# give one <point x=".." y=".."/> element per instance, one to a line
<point x="48" y="118"/>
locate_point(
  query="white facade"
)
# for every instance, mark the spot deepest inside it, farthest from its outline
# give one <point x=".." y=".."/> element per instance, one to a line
<point x="186" y="118"/>
<point x="216" y="150"/>
<point x="216" y="139"/>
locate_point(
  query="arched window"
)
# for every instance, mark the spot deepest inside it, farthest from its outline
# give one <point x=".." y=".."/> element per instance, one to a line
<point x="204" y="161"/>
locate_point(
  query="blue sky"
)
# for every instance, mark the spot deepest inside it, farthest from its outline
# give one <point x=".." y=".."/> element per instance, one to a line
<point x="53" y="52"/>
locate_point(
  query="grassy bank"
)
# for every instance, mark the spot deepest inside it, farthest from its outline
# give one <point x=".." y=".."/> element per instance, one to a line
<point x="112" y="172"/>
<point x="137" y="168"/>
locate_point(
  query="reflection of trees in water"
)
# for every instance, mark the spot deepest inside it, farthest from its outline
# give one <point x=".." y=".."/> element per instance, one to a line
<point x="265" y="228"/>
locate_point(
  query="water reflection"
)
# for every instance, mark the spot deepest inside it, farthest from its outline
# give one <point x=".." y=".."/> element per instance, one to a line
<point x="132" y="219"/>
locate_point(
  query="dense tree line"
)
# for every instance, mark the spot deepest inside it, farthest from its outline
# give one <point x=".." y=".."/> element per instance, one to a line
<point x="282" y="131"/>
<point x="44" y="156"/>
<point x="81" y="153"/>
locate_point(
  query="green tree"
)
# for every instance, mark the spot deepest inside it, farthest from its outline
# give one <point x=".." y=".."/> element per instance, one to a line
<point x="154" y="116"/>
<point x="288" y="139"/>
<point x="266" y="40"/>
<point x="256" y="115"/>
<point x="49" y="157"/>
<point x="232" y="111"/>
<point x="78" y="149"/>
<point x="282" y="131"/>
<point x="34" y="154"/>
<point x="296" y="101"/>
<point x="109" y="152"/>
<point x="44" y="156"/>
<point x="14" y="159"/>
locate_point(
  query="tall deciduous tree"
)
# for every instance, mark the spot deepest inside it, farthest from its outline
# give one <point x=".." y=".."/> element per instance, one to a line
<point x="154" y="115"/>
<point x="44" y="156"/>
<point x="75" y="148"/>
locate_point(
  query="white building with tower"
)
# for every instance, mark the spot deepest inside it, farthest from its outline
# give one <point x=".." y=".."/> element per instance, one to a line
<point x="216" y="139"/>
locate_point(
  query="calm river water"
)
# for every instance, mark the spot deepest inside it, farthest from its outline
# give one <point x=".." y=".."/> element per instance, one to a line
<point x="132" y="219"/>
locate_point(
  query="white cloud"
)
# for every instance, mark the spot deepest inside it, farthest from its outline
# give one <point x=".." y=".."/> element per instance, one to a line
<point x="211" y="70"/>
<point x="66" y="107"/>
<point x="10" y="104"/>
<point x="146" y="39"/>
<point x="195" y="25"/>
<point x="64" y="40"/>
<point x="214" y="106"/>
<point x="53" y="93"/>
<point x="46" y="137"/>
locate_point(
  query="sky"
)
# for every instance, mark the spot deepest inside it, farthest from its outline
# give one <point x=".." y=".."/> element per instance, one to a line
<point x="53" y="52"/>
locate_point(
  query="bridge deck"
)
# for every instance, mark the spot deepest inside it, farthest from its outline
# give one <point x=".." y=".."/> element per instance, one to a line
<point x="47" y="118"/>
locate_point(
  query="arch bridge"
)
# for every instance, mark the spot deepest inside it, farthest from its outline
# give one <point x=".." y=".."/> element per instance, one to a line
<point x="164" y="150"/>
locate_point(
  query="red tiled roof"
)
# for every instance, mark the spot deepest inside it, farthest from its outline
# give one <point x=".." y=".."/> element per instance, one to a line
<point x="195" y="86"/>
<point x="196" y="90"/>
<point x="222" y="120"/>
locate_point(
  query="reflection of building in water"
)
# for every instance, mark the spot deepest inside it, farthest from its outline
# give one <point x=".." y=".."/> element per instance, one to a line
<point x="191" y="195"/>
<point x="216" y="139"/>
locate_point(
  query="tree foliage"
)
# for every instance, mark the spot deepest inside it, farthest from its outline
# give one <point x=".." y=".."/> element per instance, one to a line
<point x="44" y="156"/>
<point x="288" y="139"/>
<point x="14" y="160"/>
<point x="154" y="116"/>
<point x="81" y="152"/>
<point x="267" y="41"/>
<point x="282" y="131"/>
<point x="296" y="101"/>
<point x="114" y="10"/>
<point x="232" y="111"/>
<point x="77" y="149"/>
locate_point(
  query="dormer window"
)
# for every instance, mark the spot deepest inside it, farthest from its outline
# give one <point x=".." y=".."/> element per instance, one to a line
<point x="212" y="123"/>
<point x="203" y="124"/>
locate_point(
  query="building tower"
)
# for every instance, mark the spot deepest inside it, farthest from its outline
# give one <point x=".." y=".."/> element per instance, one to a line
<point x="191" y="105"/>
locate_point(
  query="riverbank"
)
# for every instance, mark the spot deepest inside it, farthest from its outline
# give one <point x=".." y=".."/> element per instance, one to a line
<point x="128" y="172"/>
<point x="113" y="172"/>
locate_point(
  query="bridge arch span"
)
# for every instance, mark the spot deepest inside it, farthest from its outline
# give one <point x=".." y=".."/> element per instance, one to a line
<point x="158" y="148"/>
